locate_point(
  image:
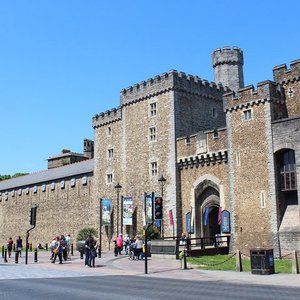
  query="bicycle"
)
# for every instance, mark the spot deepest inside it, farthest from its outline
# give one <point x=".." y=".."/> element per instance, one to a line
<point x="131" y="252"/>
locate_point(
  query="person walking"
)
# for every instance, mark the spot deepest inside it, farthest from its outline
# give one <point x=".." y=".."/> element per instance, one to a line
<point x="139" y="247"/>
<point x="10" y="243"/>
<point x="57" y="250"/>
<point x="52" y="247"/>
<point x="19" y="245"/>
<point x="68" y="245"/>
<point x="119" y="243"/>
<point x="93" y="253"/>
<point x="87" y="249"/>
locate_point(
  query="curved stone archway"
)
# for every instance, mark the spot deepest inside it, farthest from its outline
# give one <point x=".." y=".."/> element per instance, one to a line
<point x="206" y="203"/>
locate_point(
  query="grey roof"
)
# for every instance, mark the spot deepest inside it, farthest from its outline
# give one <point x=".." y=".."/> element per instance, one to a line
<point x="83" y="167"/>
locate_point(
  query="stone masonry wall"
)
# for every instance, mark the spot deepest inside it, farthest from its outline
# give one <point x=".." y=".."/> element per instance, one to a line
<point x="60" y="210"/>
<point x="289" y="79"/>
<point x="250" y="175"/>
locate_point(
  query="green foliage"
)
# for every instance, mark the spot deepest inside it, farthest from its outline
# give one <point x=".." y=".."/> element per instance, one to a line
<point x="228" y="263"/>
<point x="153" y="233"/>
<point x="5" y="177"/>
<point x="84" y="233"/>
<point x="19" y="174"/>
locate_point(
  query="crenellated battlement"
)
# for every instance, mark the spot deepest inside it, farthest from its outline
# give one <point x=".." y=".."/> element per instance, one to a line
<point x="248" y="96"/>
<point x="107" y="117"/>
<point x="227" y="55"/>
<point x="166" y="82"/>
<point x="282" y="74"/>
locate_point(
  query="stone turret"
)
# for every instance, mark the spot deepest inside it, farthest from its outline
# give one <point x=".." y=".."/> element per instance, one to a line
<point x="228" y="67"/>
<point x="88" y="148"/>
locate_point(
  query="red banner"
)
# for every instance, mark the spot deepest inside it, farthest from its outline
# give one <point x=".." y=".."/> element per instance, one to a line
<point x="171" y="217"/>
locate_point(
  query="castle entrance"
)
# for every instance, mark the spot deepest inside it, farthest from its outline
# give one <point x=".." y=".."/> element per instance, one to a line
<point x="207" y="205"/>
<point x="286" y="182"/>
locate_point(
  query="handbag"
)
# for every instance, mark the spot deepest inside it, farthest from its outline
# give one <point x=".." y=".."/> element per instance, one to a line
<point x="94" y="253"/>
<point x="55" y="251"/>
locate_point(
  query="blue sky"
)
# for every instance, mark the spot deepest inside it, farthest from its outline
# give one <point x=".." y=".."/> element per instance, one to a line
<point x="61" y="62"/>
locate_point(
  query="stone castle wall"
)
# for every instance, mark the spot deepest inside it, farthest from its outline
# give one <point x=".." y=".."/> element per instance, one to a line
<point x="251" y="167"/>
<point x="64" y="207"/>
<point x="289" y="80"/>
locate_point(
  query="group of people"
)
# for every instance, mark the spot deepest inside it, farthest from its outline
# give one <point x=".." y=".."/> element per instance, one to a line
<point x="19" y="246"/>
<point x="60" y="247"/>
<point x="90" y="250"/>
<point x="127" y="244"/>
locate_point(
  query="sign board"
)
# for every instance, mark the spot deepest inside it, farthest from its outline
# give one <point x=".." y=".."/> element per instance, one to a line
<point x="189" y="223"/>
<point x="127" y="210"/>
<point x="225" y="221"/>
<point x="106" y="212"/>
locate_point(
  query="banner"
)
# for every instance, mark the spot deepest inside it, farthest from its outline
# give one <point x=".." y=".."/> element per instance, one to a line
<point x="149" y="208"/>
<point x="106" y="212"/>
<point x="171" y="217"/>
<point x="225" y="222"/>
<point x="127" y="210"/>
<point x="220" y="216"/>
<point x="206" y="216"/>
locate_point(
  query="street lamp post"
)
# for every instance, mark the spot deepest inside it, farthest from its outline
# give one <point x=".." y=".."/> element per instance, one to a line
<point x="162" y="180"/>
<point x="118" y="188"/>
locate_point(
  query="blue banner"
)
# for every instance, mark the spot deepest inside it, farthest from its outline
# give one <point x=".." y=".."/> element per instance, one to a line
<point x="106" y="212"/>
<point x="205" y="216"/>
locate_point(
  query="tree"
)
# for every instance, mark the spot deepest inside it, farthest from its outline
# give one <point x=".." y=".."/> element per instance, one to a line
<point x="84" y="233"/>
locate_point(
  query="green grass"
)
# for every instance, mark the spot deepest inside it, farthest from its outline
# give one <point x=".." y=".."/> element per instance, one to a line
<point x="228" y="263"/>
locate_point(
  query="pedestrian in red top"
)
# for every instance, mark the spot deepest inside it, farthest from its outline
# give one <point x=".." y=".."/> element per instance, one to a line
<point x="119" y="243"/>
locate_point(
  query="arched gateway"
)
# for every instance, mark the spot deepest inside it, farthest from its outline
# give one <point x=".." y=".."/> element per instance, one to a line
<point x="206" y="204"/>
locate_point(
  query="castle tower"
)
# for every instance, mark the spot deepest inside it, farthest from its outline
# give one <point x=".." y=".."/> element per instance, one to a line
<point x="249" y="115"/>
<point x="228" y="67"/>
<point x="88" y="148"/>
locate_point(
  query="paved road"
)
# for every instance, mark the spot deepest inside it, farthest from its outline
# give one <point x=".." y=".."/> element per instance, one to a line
<point x="120" y="278"/>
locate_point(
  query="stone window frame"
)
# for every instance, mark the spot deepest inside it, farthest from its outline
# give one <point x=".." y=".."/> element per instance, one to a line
<point x="153" y="109"/>
<point x="84" y="180"/>
<point x="35" y="189"/>
<point x="214" y="112"/>
<point x="109" y="131"/>
<point x="73" y="182"/>
<point x="152" y="134"/>
<point x="247" y="114"/>
<point x="44" y="187"/>
<point x="109" y="178"/>
<point x="238" y="158"/>
<point x="262" y="198"/>
<point x="290" y="92"/>
<point x="216" y="134"/>
<point x="110" y="153"/>
<point x="62" y="184"/>
<point x="153" y="168"/>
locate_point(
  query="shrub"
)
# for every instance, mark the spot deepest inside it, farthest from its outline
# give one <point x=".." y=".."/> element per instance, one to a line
<point x="84" y="233"/>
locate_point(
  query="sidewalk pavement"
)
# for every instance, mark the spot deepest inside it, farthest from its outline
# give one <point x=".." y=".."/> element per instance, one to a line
<point x="109" y="265"/>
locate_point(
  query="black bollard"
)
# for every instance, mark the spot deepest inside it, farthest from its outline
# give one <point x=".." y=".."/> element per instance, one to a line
<point x="2" y="251"/>
<point x="35" y="255"/>
<point x="81" y="254"/>
<point x="17" y="257"/>
<point x="184" y="260"/>
<point x="72" y="249"/>
<point x="5" y="255"/>
<point x="46" y="246"/>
